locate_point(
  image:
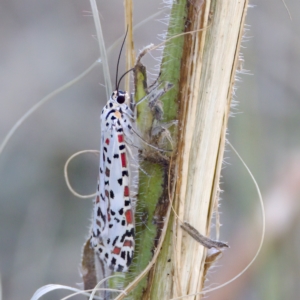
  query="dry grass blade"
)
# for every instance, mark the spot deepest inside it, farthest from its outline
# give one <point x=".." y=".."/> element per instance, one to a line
<point x="102" y="48"/>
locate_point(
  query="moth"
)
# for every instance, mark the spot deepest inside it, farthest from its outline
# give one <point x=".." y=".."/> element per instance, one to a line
<point x="113" y="223"/>
<point x="113" y="217"/>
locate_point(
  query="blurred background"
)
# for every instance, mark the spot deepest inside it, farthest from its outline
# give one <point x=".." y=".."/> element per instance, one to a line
<point x="45" y="44"/>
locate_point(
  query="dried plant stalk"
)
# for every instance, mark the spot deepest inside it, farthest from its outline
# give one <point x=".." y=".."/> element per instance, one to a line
<point x="206" y="79"/>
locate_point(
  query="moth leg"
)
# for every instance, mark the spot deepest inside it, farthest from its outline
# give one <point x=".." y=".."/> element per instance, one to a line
<point x="129" y="142"/>
<point x="160" y="133"/>
<point x="154" y="100"/>
<point x="132" y="103"/>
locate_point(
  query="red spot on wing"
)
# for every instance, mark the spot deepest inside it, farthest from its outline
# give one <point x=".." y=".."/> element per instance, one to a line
<point x="123" y="159"/>
<point x="108" y="216"/>
<point x="127" y="243"/>
<point x="107" y="141"/>
<point x="97" y="199"/>
<point x="128" y="216"/>
<point x="116" y="250"/>
<point x="120" y="138"/>
<point x="126" y="191"/>
<point x="107" y="194"/>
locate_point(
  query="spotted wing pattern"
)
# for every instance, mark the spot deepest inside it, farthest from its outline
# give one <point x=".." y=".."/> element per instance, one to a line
<point x="113" y="220"/>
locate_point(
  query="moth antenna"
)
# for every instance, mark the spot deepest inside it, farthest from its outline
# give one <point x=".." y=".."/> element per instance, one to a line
<point x="123" y="77"/>
<point x="119" y="58"/>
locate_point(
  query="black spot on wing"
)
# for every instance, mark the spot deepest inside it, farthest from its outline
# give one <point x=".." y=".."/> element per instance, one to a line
<point x="113" y="261"/>
<point x="124" y="173"/>
<point x="123" y="254"/>
<point x="112" y="195"/>
<point x="110" y="112"/>
<point x="102" y="216"/>
<point x="120" y="181"/>
<point x="128" y="233"/>
<point x="116" y="155"/>
<point x="129" y="259"/>
<point x="115" y="240"/>
<point x="120" y="268"/>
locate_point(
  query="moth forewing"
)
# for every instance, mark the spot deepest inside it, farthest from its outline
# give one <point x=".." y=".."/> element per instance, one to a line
<point x="113" y="223"/>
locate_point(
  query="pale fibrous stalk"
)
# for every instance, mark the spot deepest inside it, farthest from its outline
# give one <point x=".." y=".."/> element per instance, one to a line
<point x="207" y="73"/>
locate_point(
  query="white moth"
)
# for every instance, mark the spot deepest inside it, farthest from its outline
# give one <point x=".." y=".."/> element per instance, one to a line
<point x="113" y="222"/>
<point x="113" y="218"/>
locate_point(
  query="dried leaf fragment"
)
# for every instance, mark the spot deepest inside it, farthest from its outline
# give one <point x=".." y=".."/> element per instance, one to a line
<point x="203" y="240"/>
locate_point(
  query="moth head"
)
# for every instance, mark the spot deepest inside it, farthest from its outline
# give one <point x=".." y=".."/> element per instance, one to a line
<point x="120" y="97"/>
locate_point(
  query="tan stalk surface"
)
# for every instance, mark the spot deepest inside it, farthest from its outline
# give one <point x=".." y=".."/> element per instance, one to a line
<point x="208" y="69"/>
